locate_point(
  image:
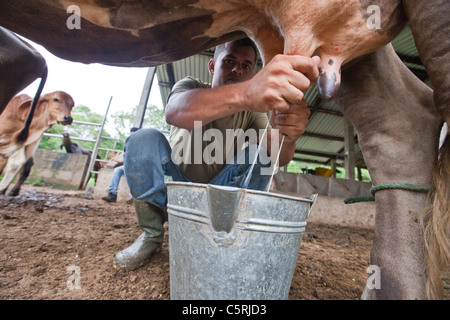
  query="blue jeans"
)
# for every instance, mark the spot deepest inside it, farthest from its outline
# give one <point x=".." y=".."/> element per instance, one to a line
<point x="115" y="180"/>
<point x="147" y="159"/>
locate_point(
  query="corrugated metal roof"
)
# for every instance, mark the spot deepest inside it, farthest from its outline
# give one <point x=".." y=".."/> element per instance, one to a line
<point x="195" y="66"/>
<point x="324" y="136"/>
<point x="404" y="43"/>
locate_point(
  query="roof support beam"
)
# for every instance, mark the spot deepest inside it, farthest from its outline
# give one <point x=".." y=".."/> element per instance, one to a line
<point x="142" y="107"/>
<point x="171" y="74"/>
<point x="410" y="59"/>
<point x="332" y="112"/>
<point x="323" y="136"/>
<point x="320" y="153"/>
<point x="308" y="160"/>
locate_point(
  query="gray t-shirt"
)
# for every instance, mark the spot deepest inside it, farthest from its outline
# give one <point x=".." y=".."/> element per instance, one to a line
<point x="201" y="153"/>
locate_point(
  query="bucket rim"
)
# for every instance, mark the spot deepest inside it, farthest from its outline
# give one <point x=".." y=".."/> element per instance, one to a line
<point x="311" y="200"/>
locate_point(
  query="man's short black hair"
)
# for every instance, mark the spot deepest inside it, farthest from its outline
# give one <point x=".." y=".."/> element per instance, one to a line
<point x="245" y="42"/>
<point x="134" y="129"/>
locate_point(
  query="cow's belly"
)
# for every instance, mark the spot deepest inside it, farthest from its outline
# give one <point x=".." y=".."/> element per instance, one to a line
<point x="149" y="33"/>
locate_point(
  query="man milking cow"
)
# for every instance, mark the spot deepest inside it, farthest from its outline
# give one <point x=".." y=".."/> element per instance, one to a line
<point x="236" y="99"/>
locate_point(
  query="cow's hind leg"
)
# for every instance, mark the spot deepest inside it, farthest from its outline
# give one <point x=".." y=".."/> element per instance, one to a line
<point x="434" y="49"/>
<point x="398" y="131"/>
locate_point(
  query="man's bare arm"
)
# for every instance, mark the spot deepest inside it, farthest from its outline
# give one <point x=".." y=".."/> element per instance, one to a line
<point x="276" y="87"/>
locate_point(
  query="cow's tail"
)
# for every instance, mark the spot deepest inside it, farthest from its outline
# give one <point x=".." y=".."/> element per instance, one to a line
<point x="23" y="135"/>
<point x="436" y="223"/>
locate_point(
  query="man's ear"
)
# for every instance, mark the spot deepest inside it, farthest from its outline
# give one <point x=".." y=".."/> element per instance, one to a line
<point x="211" y="66"/>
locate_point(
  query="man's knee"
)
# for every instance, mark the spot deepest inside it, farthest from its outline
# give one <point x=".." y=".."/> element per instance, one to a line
<point x="144" y="136"/>
<point x="146" y="146"/>
<point x="118" y="170"/>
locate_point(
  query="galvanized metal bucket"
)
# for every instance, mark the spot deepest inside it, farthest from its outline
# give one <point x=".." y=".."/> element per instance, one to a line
<point x="231" y="243"/>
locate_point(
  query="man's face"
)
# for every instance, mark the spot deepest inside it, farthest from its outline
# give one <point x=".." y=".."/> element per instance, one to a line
<point x="234" y="64"/>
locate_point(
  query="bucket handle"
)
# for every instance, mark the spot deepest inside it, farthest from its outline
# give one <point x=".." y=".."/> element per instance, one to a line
<point x="276" y="163"/>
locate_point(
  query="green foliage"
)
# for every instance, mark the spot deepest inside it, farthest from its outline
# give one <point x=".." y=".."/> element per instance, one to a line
<point x="37" y="183"/>
<point x="83" y="113"/>
<point x="49" y="143"/>
<point x="154" y="118"/>
<point x="79" y="113"/>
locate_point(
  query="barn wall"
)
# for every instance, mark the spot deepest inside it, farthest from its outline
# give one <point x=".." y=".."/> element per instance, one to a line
<point x="60" y="170"/>
<point x="67" y="171"/>
<point x="330" y="207"/>
<point x="330" y="210"/>
<point x="103" y="181"/>
<point x="307" y="184"/>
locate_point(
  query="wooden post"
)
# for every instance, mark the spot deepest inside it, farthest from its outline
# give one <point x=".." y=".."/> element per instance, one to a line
<point x="359" y="173"/>
<point x="333" y="167"/>
<point x="349" y="141"/>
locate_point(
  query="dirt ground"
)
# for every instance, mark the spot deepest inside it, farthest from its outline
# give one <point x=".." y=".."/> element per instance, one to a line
<point x="46" y="234"/>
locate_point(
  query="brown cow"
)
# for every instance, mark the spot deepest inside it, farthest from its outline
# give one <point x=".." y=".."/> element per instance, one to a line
<point x="146" y="33"/>
<point x="52" y="108"/>
<point x="72" y="147"/>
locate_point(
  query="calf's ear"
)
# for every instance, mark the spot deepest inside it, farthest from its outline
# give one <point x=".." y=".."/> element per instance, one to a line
<point x="43" y="102"/>
<point x="24" y="108"/>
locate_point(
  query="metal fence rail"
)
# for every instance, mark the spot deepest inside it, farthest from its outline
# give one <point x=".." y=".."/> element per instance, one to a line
<point x="97" y="142"/>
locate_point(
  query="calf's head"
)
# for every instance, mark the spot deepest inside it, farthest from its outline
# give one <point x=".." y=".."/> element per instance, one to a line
<point x="56" y="107"/>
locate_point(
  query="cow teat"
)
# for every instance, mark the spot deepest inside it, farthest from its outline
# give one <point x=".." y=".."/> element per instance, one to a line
<point x="329" y="77"/>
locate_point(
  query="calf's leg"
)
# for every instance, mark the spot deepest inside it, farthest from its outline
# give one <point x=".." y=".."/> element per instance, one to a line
<point x="14" y="164"/>
<point x="24" y="173"/>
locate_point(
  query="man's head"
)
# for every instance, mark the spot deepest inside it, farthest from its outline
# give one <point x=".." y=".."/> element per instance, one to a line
<point x="233" y="62"/>
<point x="133" y="130"/>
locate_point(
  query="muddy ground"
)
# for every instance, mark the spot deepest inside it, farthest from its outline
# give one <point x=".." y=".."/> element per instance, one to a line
<point x="45" y="234"/>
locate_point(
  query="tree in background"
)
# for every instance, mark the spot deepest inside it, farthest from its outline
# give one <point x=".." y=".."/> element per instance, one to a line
<point x="154" y="118"/>
<point x="79" y="113"/>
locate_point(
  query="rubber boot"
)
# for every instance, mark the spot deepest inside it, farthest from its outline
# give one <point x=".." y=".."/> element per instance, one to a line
<point x="150" y="219"/>
<point x="111" y="197"/>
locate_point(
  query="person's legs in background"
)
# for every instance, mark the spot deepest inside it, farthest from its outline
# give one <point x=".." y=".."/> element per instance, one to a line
<point x="114" y="185"/>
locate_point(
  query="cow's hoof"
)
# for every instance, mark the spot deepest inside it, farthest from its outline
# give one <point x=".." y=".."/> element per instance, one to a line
<point x="13" y="193"/>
